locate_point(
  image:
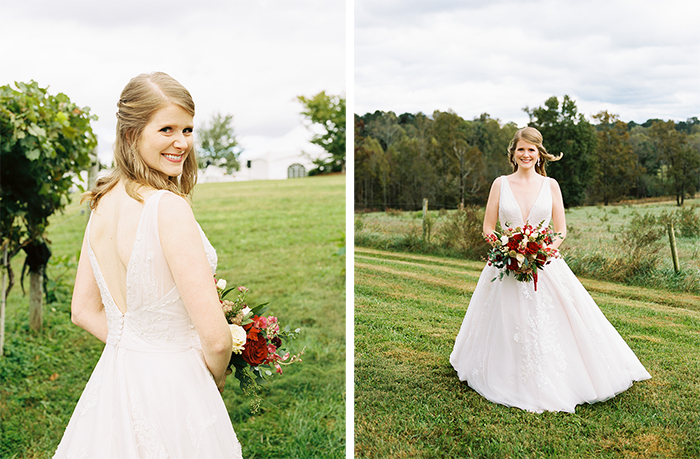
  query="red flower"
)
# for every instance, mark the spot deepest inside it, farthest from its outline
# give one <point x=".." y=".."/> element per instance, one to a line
<point x="532" y="247"/>
<point x="512" y="264"/>
<point x="252" y="332"/>
<point x="541" y="258"/>
<point x="513" y="244"/>
<point x="255" y="352"/>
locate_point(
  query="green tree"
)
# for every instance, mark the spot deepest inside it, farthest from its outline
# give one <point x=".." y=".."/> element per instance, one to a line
<point x="492" y="139"/>
<point x="386" y="129"/>
<point x="616" y="169"/>
<point x="568" y="132"/>
<point x="680" y="160"/>
<point x="650" y="182"/>
<point x="461" y="163"/>
<point x="328" y="111"/>
<point x="218" y="145"/>
<point x="46" y="141"/>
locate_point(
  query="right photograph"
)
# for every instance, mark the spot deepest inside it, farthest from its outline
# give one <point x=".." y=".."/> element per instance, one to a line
<point x="526" y="230"/>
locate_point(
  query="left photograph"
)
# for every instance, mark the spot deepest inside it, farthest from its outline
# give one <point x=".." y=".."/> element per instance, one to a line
<point x="168" y="287"/>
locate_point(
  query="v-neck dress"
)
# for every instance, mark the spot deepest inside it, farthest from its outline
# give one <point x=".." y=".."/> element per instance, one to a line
<point x="544" y="350"/>
<point x="151" y="394"/>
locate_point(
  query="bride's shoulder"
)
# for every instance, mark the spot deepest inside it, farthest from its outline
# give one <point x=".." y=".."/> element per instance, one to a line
<point x="174" y="210"/>
<point x="497" y="181"/>
<point x="553" y="182"/>
<point x="554" y="185"/>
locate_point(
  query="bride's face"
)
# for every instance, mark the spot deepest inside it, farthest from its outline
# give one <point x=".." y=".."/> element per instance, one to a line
<point x="526" y="154"/>
<point x="167" y="139"/>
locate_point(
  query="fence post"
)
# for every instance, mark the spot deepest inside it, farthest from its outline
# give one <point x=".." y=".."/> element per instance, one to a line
<point x="3" y="300"/>
<point x="426" y="230"/>
<point x="674" y="251"/>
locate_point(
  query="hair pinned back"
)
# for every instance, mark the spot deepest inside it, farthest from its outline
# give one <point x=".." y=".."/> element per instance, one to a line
<point x="144" y="95"/>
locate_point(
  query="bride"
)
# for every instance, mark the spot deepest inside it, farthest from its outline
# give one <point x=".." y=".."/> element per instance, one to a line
<point x="544" y="350"/>
<point x="145" y="287"/>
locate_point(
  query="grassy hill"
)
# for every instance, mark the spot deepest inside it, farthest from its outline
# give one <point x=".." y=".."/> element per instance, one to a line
<point x="275" y="237"/>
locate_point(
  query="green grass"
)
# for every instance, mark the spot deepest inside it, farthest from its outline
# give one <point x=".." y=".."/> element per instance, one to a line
<point x="593" y="246"/>
<point x="409" y="402"/>
<point x="275" y="237"/>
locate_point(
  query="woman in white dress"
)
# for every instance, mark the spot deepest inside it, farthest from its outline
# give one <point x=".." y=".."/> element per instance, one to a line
<point x="548" y="349"/>
<point x="145" y="287"/>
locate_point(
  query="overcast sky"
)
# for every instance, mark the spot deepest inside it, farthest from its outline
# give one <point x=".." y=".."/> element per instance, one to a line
<point x="638" y="59"/>
<point x="247" y="58"/>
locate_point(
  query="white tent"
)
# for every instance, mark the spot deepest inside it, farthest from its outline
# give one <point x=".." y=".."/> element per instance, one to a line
<point x="289" y="156"/>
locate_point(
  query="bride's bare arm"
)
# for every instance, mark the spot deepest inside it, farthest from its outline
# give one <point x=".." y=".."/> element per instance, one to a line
<point x="184" y="252"/>
<point x="87" y="311"/>
<point x="491" y="215"/>
<point x="558" y="216"/>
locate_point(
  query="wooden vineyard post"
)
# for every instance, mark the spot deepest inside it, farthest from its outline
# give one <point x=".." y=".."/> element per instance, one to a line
<point x="426" y="229"/>
<point x="3" y="300"/>
<point x="674" y="250"/>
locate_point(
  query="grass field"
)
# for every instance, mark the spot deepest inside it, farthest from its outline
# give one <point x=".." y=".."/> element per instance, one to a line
<point x="409" y="402"/>
<point x="593" y="245"/>
<point x="275" y="237"/>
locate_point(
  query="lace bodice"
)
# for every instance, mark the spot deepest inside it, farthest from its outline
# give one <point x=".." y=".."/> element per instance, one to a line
<point x="156" y="318"/>
<point x="510" y="214"/>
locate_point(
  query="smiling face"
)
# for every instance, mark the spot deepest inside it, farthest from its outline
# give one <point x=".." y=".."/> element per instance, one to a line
<point x="167" y="140"/>
<point x="526" y="154"/>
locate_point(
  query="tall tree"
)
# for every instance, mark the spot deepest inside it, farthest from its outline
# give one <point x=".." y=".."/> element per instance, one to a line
<point x="328" y="111"/>
<point x="46" y="141"/>
<point x="567" y="131"/>
<point x="680" y="160"/>
<point x="649" y="182"/>
<point x="615" y="166"/>
<point x="459" y="163"/>
<point x="218" y="145"/>
<point x="386" y="129"/>
<point x="492" y="140"/>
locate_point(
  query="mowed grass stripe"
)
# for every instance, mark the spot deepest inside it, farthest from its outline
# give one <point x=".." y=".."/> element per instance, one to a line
<point x="476" y="265"/>
<point x="474" y="268"/>
<point x="409" y="402"/>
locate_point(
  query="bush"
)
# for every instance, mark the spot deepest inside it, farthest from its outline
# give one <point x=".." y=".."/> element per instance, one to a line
<point x="642" y="234"/>
<point x="687" y="222"/>
<point x="462" y="232"/>
<point x="624" y="267"/>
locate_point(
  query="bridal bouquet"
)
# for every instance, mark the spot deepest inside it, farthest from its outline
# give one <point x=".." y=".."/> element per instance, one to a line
<point x="521" y="251"/>
<point x="259" y="344"/>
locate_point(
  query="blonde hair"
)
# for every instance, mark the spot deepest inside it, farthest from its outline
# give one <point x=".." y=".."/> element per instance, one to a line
<point x="532" y="136"/>
<point x="144" y="95"/>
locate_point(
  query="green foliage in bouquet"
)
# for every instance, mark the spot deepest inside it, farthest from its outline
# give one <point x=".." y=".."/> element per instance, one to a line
<point x="258" y="342"/>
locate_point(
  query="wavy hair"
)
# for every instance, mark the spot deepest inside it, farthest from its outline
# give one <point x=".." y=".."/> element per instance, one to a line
<point x="532" y="136"/>
<point x="144" y="95"/>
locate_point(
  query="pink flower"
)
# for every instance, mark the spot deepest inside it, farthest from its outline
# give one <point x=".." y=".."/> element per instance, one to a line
<point x="260" y="322"/>
<point x="271" y="349"/>
<point x="242" y="289"/>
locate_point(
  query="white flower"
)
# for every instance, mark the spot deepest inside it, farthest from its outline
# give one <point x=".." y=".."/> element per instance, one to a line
<point x="221" y="284"/>
<point x="504" y="240"/>
<point x="520" y="257"/>
<point x="238" y="335"/>
<point x="246" y="311"/>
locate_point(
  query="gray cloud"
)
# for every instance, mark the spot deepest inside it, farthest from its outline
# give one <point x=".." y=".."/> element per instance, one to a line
<point x="250" y="59"/>
<point x="638" y="59"/>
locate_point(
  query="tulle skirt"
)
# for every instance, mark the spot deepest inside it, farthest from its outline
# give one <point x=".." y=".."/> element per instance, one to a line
<point x="150" y="405"/>
<point x="544" y="350"/>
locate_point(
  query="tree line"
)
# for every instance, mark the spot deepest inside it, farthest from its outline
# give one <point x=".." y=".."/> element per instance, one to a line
<point x="400" y="160"/>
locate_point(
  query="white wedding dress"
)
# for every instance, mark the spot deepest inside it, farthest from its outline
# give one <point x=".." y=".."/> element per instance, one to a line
<point x="544" y="350"/>
<point x="151" y="394"/>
